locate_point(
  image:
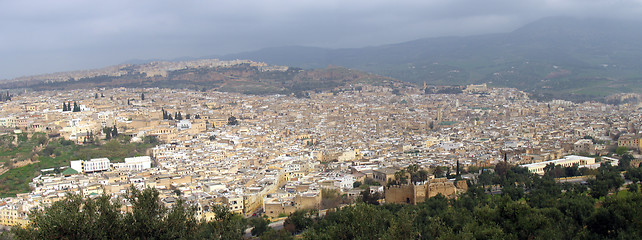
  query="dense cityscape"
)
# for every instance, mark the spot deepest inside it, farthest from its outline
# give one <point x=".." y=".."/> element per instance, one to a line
<point x="275" y="154"/>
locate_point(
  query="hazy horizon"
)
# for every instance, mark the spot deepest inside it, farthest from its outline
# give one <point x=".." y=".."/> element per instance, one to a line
<point x="45" y="37"/>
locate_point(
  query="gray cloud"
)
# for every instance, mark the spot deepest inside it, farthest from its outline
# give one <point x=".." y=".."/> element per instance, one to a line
<point x="40" y="36"/>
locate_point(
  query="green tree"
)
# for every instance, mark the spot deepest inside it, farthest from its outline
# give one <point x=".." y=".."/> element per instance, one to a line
<point x="272" y="234"/>
<point x="438" y="171"/>
<point x="625" y="161"/>
<point x="259" y="225"/>
<point x="299" y="220"/>
<point x="634" y="174"/>
<point x="232" y="121"/>
<point x="76" y="107"/>
<point x="107" y="132"/>
<point x="621" y="150"/>
<point x="607" y="179"/>
<point x="75" y="218"/>
<point x="225" y="225"/>
<point x="150" y="219"/>
<point x="370" y="198"/>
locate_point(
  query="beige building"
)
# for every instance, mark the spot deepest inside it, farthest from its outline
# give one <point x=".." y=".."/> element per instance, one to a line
<point x="276" y="207"/>
<point x="416" y="193"/>
<point x="568" y="161"/>
<point x="630" y="142"/>
<point x="11" y="215"/>
<point x="585" y="146"/>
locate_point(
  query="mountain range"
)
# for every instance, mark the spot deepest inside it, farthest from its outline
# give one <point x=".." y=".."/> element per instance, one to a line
<point x="558" y="57"/>
<point x="241" y="76"/>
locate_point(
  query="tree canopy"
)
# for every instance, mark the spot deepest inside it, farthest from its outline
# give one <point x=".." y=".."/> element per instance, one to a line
<point x="101" y="218"/>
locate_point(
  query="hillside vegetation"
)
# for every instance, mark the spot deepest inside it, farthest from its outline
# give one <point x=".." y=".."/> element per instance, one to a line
<point x="24" y="156"/>
<point x="241" y="78"/>
<point x="566" y="58"/>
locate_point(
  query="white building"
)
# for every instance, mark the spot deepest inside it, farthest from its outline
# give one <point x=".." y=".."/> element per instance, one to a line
<point x="93" y="165"/>
<point x="567" y="161"/>
<point x="184" y="125"/>
<point x="134" y="164"/>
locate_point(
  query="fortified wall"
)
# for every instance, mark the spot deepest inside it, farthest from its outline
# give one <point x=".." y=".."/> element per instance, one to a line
<point x="417" y="193"/>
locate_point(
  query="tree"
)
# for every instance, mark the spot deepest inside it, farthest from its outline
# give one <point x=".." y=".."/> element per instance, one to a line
<point x="272" y="234"/>
<point x="225" y="225"/>
<point x="114" y="132"/>
<point x="502" y="168"/>
<point x="370" y="198"/>
<point x="76" y="107"/>
<point x="330" y="198"/>
<point x="607" y="179"/>
<point x="107" y="131"/>
<point x="150" y="140"/>
<point x="150" y="219"/>
<point x="572" y="171"/>
<point x="553" y="170"/>
<point x="259" y="225"/>
<point x="438" y="171"/>
<point x="400" y="178"/>
<point x="179" y="116"/>
<point x="299" y="221"/>
<point x="232" y="121"/>
<point x="419" y="176"/>
<point x="634" y="174"/>
<point x="625" y="161"/>
<point x="75" y="218"/>
<point x="621" y="150"/>
<point x="142" y="96"/>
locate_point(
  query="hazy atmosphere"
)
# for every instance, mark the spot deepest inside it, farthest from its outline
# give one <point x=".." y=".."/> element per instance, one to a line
<point x="50" y="36"/>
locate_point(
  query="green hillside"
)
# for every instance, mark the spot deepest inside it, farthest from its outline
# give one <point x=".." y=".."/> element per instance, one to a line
<point x="554" y="57"/>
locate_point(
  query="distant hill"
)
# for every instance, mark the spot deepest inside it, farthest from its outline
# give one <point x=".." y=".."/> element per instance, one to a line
<point x="231" y="76"/>
<point x="554" y="57"/>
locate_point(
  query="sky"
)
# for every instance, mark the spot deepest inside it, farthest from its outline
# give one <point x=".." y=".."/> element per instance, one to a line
<point x="45" y="36"/>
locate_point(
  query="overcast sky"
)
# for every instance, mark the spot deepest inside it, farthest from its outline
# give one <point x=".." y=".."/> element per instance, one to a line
<point x="44" y="36"/>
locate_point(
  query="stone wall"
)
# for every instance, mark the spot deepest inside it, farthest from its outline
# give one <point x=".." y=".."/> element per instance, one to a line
<point x="413" y="194"/>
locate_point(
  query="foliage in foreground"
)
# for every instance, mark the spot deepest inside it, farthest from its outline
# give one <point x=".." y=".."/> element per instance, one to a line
<point x="101" y="218"/>
<point x="530" y="207"/>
